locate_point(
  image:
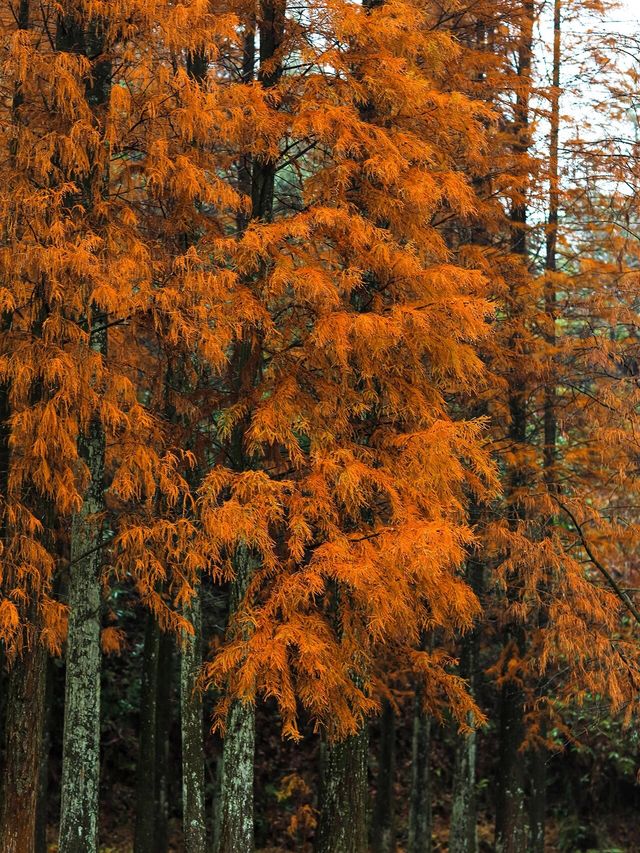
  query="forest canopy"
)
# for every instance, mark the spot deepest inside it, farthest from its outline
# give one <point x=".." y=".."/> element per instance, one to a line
<point x="319" y="426"/>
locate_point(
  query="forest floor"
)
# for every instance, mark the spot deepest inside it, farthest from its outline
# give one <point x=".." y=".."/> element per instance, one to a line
<point x="619" y="834"/>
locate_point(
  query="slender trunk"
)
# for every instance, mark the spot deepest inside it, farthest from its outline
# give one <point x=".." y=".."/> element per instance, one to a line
<point x="42" y="813"/>
<point x="463" y="833"/>
<point x="235" y="833"/>
<point x="144" y="838"/>
<point x="23" y="750"/>
<point x="194" y="824"/>
<point x="383" y="833"/>
<point x="538" y="801"/>
<point x="538" y="758"/>
<point x="81" y="737"/>
<point x="511" y="825"/>
<point x="420" y="816"/>
<point x="163" y="741"/>
<point x="342" y="826"/>
<point x="511" y="829"/>
<point x="20" y="716"/>
<point x="235" y="826"/>
<point x="193" y="806"/>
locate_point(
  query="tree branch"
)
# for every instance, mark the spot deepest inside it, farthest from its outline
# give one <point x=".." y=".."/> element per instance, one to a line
<point x="615" y="586"/>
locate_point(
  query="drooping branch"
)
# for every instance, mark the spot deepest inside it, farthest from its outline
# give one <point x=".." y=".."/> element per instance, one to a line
<point x="615" y="586"/>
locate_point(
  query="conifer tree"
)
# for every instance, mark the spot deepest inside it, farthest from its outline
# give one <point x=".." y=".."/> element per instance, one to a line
<point x="327" y="340"/>
<point x="276" y="285"/>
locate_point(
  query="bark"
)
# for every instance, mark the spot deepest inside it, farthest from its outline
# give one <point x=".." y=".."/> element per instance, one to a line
<point x="420" y="816"/>
<point x="463" y="834"/>
<point x="511" y="825"/>
<point x="235" y="825"/>
<point x="144" y="838"/>
<point x="81" y="738"/>
<point x="42" y="812"/>
<point x="193" y="805"/>
<point x="23" y="751"/>
<point x="342" y="826"/>
<point x="234" y="828"/>
<point x="163" y="741"/>
<point x="383" y="833"/>
<point x="538" y="758"/>
<point x="511" y="829"/>
<point x="235" y="832"/>
<point x="538" y="800"/>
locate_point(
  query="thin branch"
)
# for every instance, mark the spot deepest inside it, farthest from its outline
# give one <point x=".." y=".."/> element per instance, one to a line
<point x="615" y="586"/>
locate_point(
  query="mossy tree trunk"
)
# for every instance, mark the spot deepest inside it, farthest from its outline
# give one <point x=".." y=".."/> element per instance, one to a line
<point x="234" y="829"/>
<point x="235" y="822"/>
<point x="342" y="825"/>
<point x="193" y="805"/>
<point x="81" y="738"/>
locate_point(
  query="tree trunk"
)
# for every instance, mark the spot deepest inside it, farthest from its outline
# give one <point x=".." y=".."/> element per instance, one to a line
<point x="42" y="813"/>
<point x="235" y="832"/>
<point x="511" y="830"/>
<point x="23" y="751"/>
<point x="193" y="806"/>
<point x="463" y="833"/>
<point x="81" y="737"/>
<point x="342" y="826"/>
<point x="538" y="758"/>
<point x="420" y="817"/>
<point x="144" y="838"/>
<point x="538" y="801"/>
<point x="163" y="740"/>
<point x="511" y="825"/>
<point x="383" y="830"/>
<point x="235" y="827"/>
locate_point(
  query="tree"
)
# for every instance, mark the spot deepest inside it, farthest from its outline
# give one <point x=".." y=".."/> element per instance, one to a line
<point x="319" y="421"/>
